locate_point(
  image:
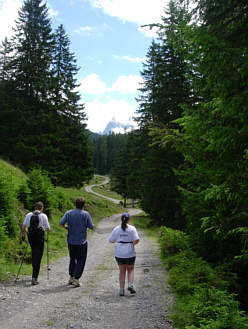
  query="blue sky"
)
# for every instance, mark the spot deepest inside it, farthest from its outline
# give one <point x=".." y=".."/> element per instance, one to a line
<point x="109" y="45"/>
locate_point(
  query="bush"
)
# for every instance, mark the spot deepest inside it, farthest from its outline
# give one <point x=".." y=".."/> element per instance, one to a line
<point x="190" y="272"/>
<point x="8" y="224"/>
<point x="209" y="308"/>
<point x="202" y="297"/>
<point x="172" y="241"/>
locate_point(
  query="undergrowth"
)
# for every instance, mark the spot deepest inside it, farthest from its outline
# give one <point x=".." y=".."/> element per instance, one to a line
<point x="202" y="297"/>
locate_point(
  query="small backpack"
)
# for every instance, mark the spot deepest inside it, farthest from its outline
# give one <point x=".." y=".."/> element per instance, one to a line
<point x="35" y="233"/>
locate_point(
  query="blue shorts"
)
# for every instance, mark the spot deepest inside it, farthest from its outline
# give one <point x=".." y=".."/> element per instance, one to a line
<point x="125" y="261"/>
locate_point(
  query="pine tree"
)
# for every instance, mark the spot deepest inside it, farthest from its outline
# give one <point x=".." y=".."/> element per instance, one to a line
<point x="165" y="89"/>
<point x="65" y="97"/>
<point x="33" y="44"/>
<point x="5" y="58"/>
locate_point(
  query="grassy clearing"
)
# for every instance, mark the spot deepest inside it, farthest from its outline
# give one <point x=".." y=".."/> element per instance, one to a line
<point x="97" y="179"/>
<point x="18" y="176"/>
<point x="106" y="191"/>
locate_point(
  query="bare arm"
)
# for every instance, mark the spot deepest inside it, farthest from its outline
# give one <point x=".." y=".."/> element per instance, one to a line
<point x="135" y="242"/>
<point x="63" y="225"/>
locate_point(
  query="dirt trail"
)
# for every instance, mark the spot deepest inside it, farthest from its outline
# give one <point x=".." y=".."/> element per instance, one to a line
<point x="96" y="304"/>
<point x="89" y="189"/>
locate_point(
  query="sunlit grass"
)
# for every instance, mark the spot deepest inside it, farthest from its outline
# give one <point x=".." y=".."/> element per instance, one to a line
<point x="105" y="190"/>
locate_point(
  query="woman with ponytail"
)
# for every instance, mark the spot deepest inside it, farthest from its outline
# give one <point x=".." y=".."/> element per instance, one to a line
<point x="126" y="237"/>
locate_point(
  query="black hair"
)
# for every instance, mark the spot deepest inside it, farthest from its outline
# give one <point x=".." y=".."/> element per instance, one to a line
<point x="79" y="203"/>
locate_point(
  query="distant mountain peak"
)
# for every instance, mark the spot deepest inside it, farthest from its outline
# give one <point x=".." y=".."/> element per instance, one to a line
<point x="117" y="127"/>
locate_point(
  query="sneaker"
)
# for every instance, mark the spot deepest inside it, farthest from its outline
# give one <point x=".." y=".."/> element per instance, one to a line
<point x="34" y="282"/>
<point x="71" y="280"/>
<point x="131" y="289"/>
<point x="122" y="293"/>
<point x="76" y="283"/>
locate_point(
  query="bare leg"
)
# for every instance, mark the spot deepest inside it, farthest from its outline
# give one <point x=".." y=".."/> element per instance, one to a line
<point x="130" y="271"/>
<point x="122" y="275"/>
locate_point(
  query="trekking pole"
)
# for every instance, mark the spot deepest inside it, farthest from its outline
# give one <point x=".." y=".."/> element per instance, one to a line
<point x="24" y="254"/>
<point x="48" y="268"/>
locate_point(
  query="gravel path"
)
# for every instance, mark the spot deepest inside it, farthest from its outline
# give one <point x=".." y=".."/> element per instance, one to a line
<point x="96" y="304"/>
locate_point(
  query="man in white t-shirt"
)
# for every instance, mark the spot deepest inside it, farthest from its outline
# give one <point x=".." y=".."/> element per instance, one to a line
<point x="126" y="237"/>
<point x="36" y="241"/>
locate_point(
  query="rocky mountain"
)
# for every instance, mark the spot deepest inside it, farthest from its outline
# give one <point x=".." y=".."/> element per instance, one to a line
<point x="117" y="127"/>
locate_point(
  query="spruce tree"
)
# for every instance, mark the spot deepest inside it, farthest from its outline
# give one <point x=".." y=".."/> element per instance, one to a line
<point x="64" y="68"/>
<point x="5" y="59"/>
<point x="165" y="89"/>
<point x="33" y="44"/>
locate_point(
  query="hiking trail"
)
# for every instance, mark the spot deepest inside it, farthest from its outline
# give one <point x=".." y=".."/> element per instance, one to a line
<point x="53" y="304"/>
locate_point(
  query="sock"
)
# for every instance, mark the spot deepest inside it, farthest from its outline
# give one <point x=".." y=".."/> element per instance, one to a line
<point x="121" y="289"/>
<point x="130" y="284"/>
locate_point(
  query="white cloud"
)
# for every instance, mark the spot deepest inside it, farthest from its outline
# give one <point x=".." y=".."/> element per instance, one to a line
<point x="93" y="85"/>
<point x="137" y="11"/>
<point x="8" y="15"/>
<point x="100" y="113"/>
<point x="130" y="59"/>
<point x="149" y="32"/>
<point x="52" y="12"/>
<point x="85" y="29"/>
<point x="127" y="84"/>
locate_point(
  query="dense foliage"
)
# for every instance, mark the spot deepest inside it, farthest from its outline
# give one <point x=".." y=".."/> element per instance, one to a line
<point x="192" y="168"/>
<point x="203" y="299"/>
<point x="106" y="148"/>
<point x="41" y="117"/>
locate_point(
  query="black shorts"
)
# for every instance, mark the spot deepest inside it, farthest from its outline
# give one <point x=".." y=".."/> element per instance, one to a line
<point x="125" y="261"/>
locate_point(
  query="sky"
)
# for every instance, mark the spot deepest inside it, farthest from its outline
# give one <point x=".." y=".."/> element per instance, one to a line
<point x="109" y="44"/>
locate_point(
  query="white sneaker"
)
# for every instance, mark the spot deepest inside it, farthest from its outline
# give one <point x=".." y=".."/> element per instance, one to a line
<point x="71" y="280"/>
<point x="76" y="283"/>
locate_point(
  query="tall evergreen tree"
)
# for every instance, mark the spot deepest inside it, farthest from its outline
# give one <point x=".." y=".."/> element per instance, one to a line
<point x="5" y="58"/>
<point x="214" y="139"/>
<point x="65" y="96"/>
<point x="165" y="89"/>
<point x="119" y="173"/>
<point x="33" y="43"/>
<point x="36" y="128"/>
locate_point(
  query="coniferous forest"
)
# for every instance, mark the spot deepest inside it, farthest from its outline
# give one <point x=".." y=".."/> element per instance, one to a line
<point x="187" y="161"/>
<point x="42" y="121"/>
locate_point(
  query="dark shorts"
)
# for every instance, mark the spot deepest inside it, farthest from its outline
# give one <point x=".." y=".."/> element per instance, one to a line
<point x="125" y="261"/>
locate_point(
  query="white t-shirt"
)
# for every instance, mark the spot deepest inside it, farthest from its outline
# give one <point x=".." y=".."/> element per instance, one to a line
<point x="124" y="250"/>
<point x="42" y="217"/>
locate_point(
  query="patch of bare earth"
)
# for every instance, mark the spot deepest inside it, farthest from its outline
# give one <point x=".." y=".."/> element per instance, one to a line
<point x="96" y="304"/>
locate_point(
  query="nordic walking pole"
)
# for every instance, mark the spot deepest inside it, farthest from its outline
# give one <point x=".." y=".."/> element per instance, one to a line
<point x="17" y="277"/>
<point x="48" y="268"/>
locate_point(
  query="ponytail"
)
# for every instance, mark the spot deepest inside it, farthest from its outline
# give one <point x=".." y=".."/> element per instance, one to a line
<point x="124" y="224"/>
<point x="124" y="219"/>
